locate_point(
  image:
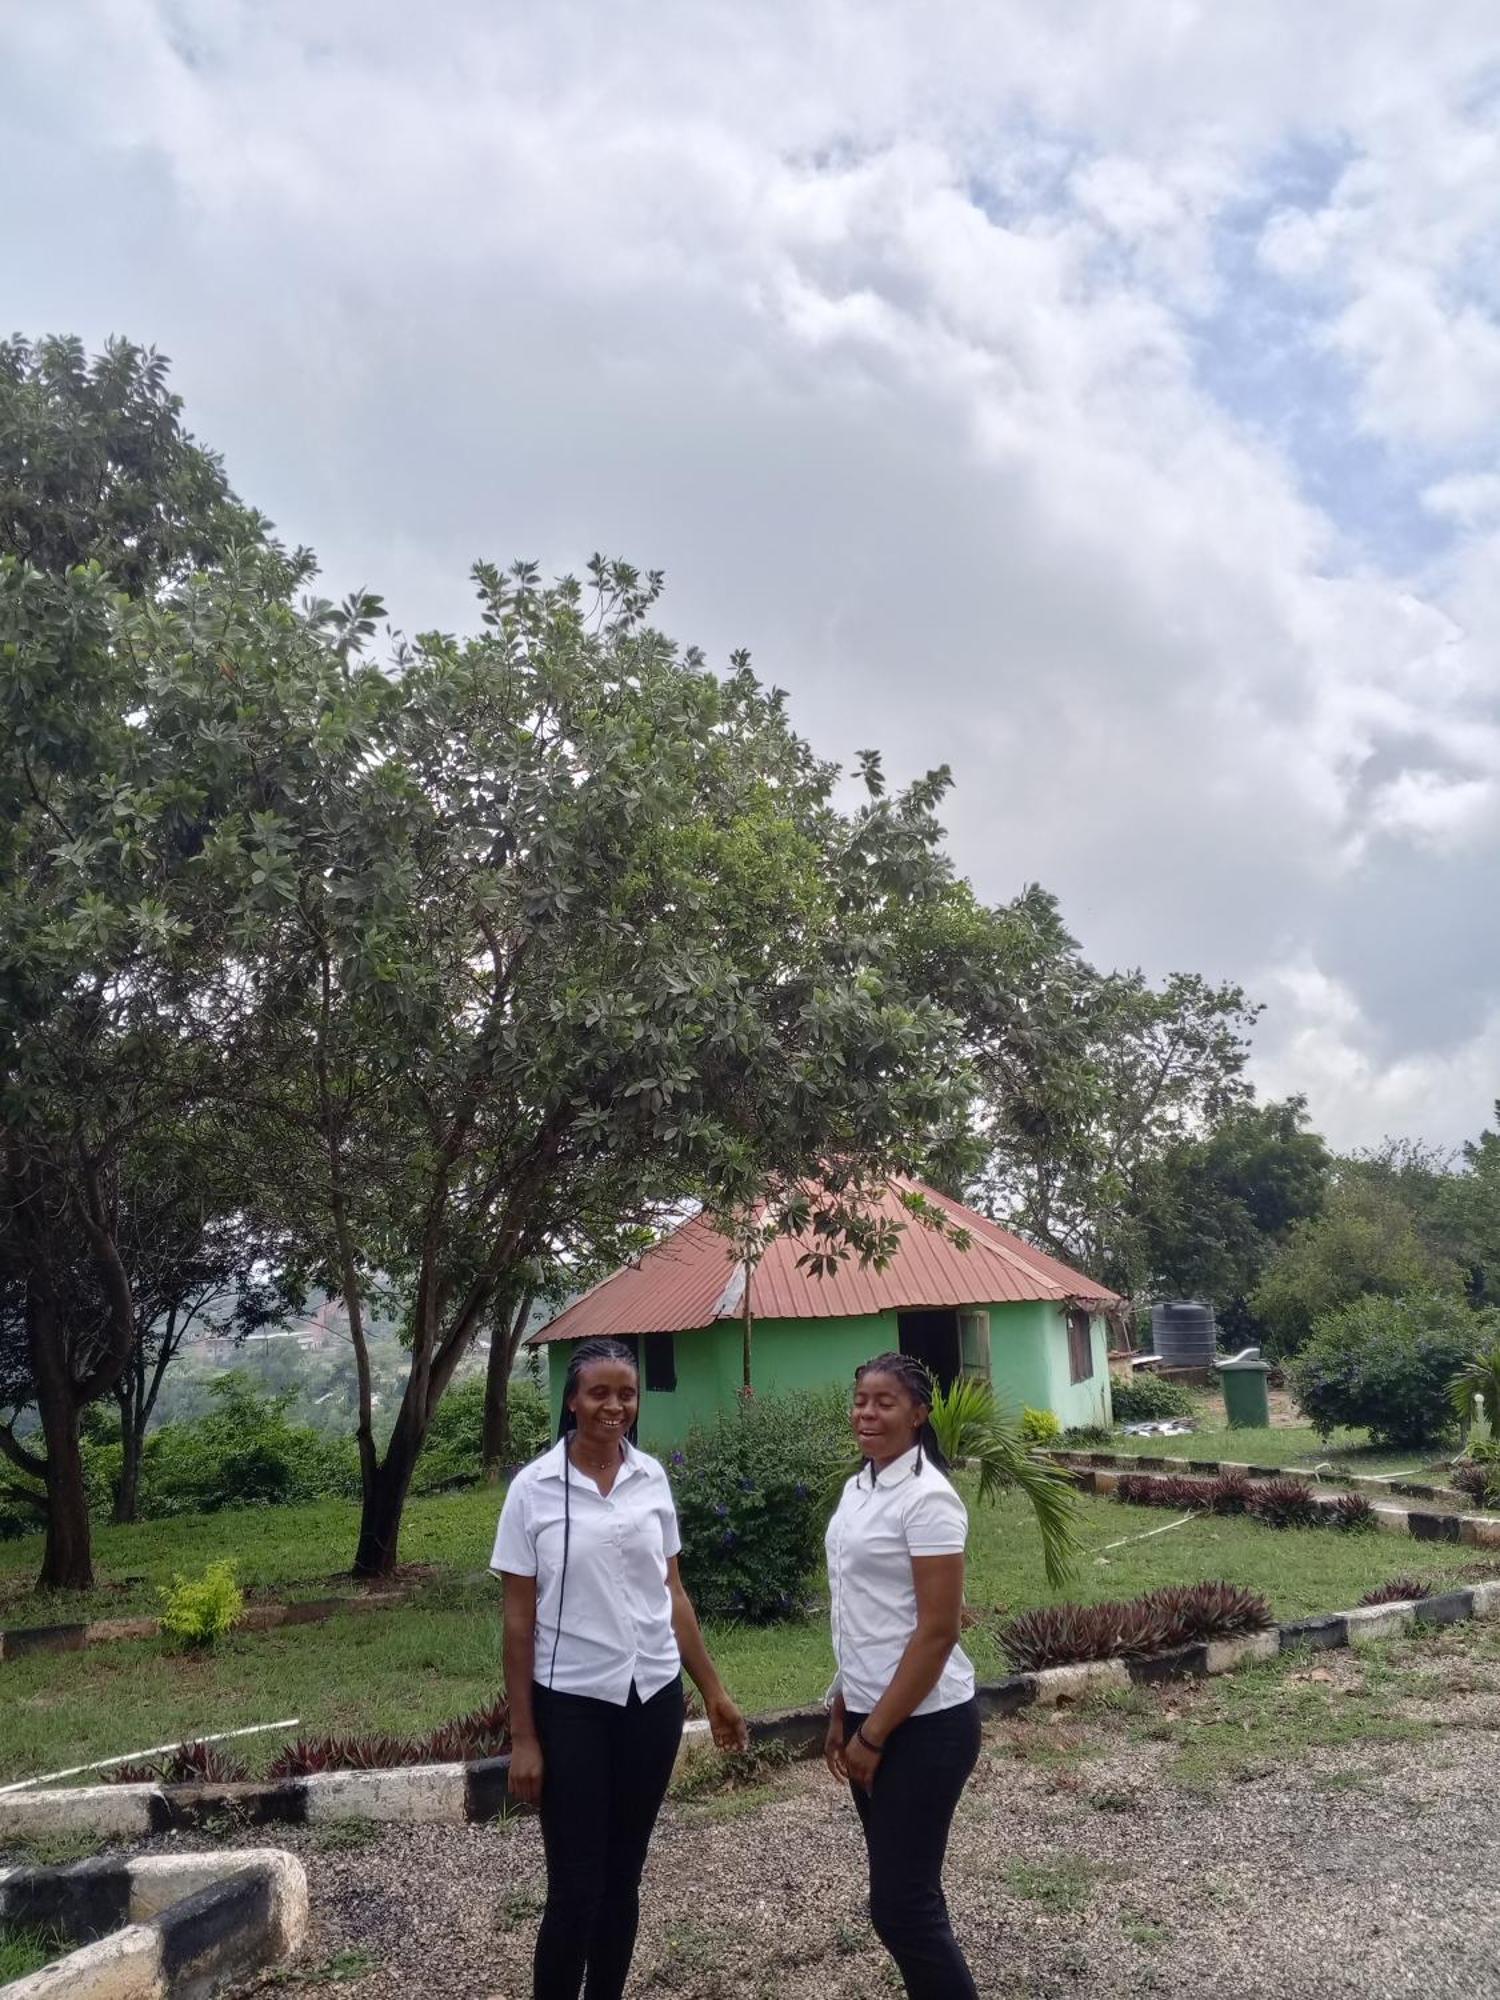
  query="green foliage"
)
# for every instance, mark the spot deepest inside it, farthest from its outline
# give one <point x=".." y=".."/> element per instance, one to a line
<point x="27" y="1948"/>
<point x="753" y="1492"/>
<point x="1353" y="1514"/>
<point x="452" y="1455"/>
<point x="109" y="512"/>
<point x="1365" y="1242"/>
<point x="1145" y="1397"/>
<point x="1088" y="1080"/>
<point x="1040" y="1427"/>
<point x="245" y="1453"/>
<point x="971" y="1426"/>
<point x="1219" y="1203"/>
<point x="1088" y="1437"/>
<point x="1389" y="1364"/>
<point x="1060" y="1635"/>
<point x="198" y="1612"/>
<point x="1476" y="1388"/>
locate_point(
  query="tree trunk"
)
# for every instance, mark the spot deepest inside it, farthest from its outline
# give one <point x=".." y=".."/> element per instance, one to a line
<point x="385" y="1500"/>
<point x="496" y="1444"/>
<point x="747" y="1326"/>
<point x="67" y="1559"/>
<point x="128" y="1487"/>
<point x="495" y="1448"/>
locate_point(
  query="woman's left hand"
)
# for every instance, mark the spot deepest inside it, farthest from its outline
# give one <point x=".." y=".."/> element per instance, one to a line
<point x="729" y="1728"/>
<point x="861" y="1762"/>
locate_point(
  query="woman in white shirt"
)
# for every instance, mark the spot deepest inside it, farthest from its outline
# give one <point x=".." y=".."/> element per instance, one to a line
<point x="597" y="1630"/>
<point x="903" y="1724"/>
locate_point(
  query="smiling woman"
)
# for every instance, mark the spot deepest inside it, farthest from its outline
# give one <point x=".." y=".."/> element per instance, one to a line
<point x="587" y="1547"/>
<point x="903" y="1726"/>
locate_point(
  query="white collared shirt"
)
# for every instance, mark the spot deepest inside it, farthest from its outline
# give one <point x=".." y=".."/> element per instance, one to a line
<point x="874" y="1533"/>
<point x="616" y="1608"/>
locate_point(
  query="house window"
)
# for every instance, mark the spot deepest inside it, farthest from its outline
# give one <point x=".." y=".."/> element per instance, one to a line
<point x="1080" y="1346"/>
<point x="660" y="1371"/>
<point x="974" y="1344"/>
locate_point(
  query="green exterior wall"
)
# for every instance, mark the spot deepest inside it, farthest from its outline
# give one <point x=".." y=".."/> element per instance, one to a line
<point x="1028" y="1363"/>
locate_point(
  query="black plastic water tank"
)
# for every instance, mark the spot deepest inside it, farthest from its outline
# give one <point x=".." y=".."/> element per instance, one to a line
<point x="1184" y="1333"/>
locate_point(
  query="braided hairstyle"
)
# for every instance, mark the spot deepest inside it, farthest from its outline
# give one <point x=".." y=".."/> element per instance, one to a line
<point x="585" y="1352"/>
<point x="916" y="1379"/>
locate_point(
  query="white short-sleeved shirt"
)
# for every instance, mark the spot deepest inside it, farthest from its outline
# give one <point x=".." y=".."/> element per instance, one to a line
<point x="616" y="1609"/>
<point x="874" y="1533"/>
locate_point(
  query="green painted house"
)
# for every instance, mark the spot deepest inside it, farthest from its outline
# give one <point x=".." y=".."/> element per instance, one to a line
<point x="998" y="1309"/>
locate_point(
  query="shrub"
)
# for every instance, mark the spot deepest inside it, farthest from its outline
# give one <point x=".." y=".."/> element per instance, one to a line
<point x="1400" y="1590"/>
<point x="1063" y="1635"/>
<point x="1475" y="1390"/>
<point x="199" y="1612"/>
<point x="1285" y="1503"/>
<point x="1352" y="1513"/>
<point x="1040" y="1427"/>
<point x="1231" y="1493"/>
<point x="1177" y="1490"/>
<point x="485" y="1732"/>
<point x="1088" y="1437"/>
<point x="530" y="1419"/>
<point x="753" y="1491"/>
<point x="1146" y="1489"/>
<point x="1388" y="1365"/>
<point x="245" y="1453"/>
<point x="188" y="1764"/>
<point x="1476" y="1480"/>
<point x="1147" y="1398"/>
<point x="453" y="1454"/>
<point x="1213" y="1611"/>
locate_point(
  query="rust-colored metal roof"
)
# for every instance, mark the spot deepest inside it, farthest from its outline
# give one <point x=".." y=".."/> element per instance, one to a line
<point x="690" y="1280"/>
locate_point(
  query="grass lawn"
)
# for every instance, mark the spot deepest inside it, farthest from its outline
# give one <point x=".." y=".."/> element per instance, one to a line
<point x="1280" y="1444"/>
<point x="1283" y="1444"/>
<point x="25" y="1949"/>
<point x="289" y="1551"/>
<point x="439" y="1654"/>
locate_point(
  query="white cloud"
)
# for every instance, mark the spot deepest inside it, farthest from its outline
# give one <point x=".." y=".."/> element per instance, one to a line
<point x="1319" y="1042"/>
<point x="888" y="334"/>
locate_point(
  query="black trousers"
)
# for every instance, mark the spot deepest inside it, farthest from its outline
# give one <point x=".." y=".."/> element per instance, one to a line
<point x="604" y="1775"/>
<point x="906" y="1818"/>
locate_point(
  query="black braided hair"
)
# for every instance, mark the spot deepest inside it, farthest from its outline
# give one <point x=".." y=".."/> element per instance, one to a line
<point x="585" y="1352"/>
<point x="916" y="1378"/>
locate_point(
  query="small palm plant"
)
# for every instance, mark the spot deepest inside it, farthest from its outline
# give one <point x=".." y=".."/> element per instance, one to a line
<point x="1478" y="1383"/>
<point x="970" y="1424"/>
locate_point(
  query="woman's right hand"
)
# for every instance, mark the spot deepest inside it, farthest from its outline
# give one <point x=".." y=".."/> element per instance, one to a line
<point x="525" y="1785"/>
<point x="833" y="1744"/>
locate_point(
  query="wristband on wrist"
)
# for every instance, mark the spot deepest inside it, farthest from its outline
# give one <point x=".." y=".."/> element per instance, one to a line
<point x="878" y="1748"/>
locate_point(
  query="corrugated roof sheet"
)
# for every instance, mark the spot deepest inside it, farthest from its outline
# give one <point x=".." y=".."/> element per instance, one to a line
<point x="689" y="1279"/>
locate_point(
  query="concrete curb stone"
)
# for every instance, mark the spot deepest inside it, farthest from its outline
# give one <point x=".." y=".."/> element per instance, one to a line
<point x="159" y="1925"/>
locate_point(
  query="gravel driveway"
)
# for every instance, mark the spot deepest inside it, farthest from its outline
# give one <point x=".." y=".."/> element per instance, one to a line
<point x="1327" y="1829"/>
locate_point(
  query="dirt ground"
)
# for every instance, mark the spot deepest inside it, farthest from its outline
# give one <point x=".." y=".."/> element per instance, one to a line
<point x="1325" y="1827"/>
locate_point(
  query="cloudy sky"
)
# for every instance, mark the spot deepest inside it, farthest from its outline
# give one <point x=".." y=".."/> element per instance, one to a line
<point x="1101" y="396"/>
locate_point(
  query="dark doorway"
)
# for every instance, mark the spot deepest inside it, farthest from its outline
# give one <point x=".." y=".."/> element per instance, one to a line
<point x="933" y="1338"/>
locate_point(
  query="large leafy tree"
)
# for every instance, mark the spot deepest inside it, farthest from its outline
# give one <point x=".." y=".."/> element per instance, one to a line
<point x="1469" y="1203"/>
<point x="544" y="926"/>
<point x="1218" y="1205"/>
<point x="106" y="507"/>
<point x="196" y="1265"/>
<point x="1363" y="1243"/>
<point x="1088" y="1080"/>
